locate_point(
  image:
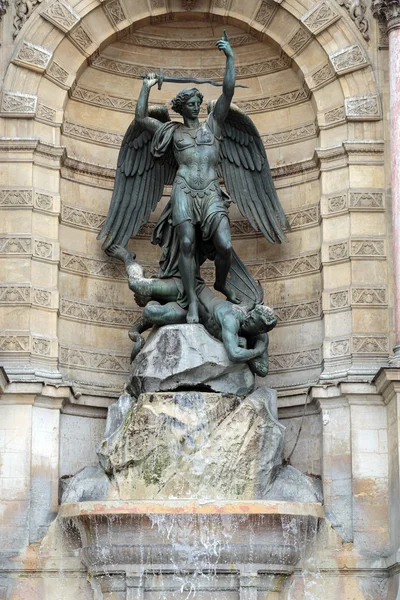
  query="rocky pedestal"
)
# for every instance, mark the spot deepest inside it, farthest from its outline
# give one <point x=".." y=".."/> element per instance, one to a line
<point x="188" y="357"/>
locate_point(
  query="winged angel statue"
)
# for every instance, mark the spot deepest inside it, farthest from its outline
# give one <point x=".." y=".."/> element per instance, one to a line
<point x="193" y="157"/>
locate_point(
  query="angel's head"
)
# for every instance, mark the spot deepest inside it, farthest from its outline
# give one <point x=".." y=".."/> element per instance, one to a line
<point x="260" y="319"/>
<point x="187" y="103"/>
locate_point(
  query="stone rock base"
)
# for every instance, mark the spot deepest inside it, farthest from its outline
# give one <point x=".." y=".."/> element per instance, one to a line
<point x="188" y="357"/>
<point x="196" y="445"/>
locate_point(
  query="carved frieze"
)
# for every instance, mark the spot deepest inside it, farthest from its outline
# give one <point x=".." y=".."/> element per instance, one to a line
<point x="10" y="342"/>
<point x="62" y="15"/>
<point x="288" y="136"/>
<point x="43" y="201"/>
<point x="46" y="113"/>
<point x="83" y="132"/>
<point x="15" y="294"/>
<point x="32" y="57"/>
<point x="273" y="102"/>
<point x="42" y="249"/>
<point x="321" y="76"/>
<point x="16" y="198"/>
<point x="340" y="347"/>
<point x="41" y="297"/>
<point x="127" y="69"/>
<point x="128" y="104"/>
<point x="266" y="12"/>
<point x="363" y="108"/>
<point x="370" y="345"/>
<point x="337" y="203"/>
<point x="18" y="103"/>
<point x="57" y="73"/>
<point x="357" y="10"/>
<point x="339" y="299"/>
<point x="23" y="11"/>
<point x="367" y="200"/>
<point x="84" y="358"/>
<point x="302" y="311"/>
<point x="15" y="245"/>
<point x="114" y="12"/>
<point x="349" y="59"/>
<point x="91" y="266"/>
<point x="84" y="219"/>
<point x="338" y="251"/>
<point x="319" y="17"/>
<point x="139" y="39"/>
<point x="369" y="248"/>
<point x="81" y="38"/>
<point x="369" y="296"/>
<point x="304" y="359"/>
<point x="103" y="99"/>
<point x="98" y="313"/>
<point x="306" y="217"/>
<point x="334" y="116"/>
<point x="41" y="346"/>
<point x="292" y="267"/>
<point x="221" y="3"/>
<point x="157" y="3"/>
<point x="299" y="40"/>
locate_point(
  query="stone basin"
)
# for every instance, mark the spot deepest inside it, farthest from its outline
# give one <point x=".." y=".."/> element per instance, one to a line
<point x="160" y="536"/>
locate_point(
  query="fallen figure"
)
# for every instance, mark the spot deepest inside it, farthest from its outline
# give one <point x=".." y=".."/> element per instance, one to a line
<point x="242" y="329"/>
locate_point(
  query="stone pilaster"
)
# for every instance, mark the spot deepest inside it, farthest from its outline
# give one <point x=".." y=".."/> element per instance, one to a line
<point x="388" y="12"/>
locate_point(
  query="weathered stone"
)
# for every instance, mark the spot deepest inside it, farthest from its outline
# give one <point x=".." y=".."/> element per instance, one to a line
<point x="188" y="357"/>
<point x="89" y="484"/>
<point x="292" y="485"/>
<point x="196" y="445"/>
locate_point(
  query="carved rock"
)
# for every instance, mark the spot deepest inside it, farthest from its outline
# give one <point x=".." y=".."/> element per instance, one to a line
<point x="186" y="356"/>
<point x="196" y="445"/>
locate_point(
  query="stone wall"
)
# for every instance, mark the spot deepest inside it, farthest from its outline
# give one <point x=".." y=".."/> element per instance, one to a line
<point x="318" y="92"/>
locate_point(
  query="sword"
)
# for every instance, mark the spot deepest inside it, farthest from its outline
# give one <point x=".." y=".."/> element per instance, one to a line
<point x="161" y="78"/>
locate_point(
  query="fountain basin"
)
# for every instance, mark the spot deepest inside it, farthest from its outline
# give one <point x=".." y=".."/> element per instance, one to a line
<point x="189" y="535"/>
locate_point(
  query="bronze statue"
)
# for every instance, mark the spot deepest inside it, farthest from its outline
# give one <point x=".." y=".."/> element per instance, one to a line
<point x="194" y="226"/>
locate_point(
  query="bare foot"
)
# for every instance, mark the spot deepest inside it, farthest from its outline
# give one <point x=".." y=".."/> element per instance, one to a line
<point x="228" y="292"/>
<point x="123" y="254"/>
<point x="193" y="313"/>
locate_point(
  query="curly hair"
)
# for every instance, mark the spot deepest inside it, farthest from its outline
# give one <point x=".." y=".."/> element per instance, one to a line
<point x="266" y="315"/>
<point x="180" y="99"/>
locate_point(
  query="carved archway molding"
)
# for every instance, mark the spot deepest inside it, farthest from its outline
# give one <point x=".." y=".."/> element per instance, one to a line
<point x="59" y="40"/>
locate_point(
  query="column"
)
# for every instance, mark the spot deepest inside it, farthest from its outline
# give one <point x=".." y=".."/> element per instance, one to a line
<point x="389" y="12"/>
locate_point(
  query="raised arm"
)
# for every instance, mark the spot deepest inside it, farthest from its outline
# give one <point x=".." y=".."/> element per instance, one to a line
<point x="142" y="106"/>
<point x="224" y="101"/>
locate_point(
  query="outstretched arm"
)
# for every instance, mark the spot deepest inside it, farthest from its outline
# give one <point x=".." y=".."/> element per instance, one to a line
<point x="230" y="338"/>
<point x="224" y="101"/>
<point x="142" y="106"/>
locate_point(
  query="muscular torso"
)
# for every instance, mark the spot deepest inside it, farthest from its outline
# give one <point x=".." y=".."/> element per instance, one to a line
<point x="196" y="152"/>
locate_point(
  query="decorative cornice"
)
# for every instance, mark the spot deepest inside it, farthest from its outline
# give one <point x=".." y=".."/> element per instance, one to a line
<point x="295" y="361"/>
<point x="319" y="17"/>
<point x="308" y="216"/>
<point x="128" y="104"/>
<point x="127" y="69"/>
<point x="74" y="357"/>
<point x="357" y="10"/>
<point x="98" y="314"/>
<point x="139" y="39"/>
<point x="387" y="11"/>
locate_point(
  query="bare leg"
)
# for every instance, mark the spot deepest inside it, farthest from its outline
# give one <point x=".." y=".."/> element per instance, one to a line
<point x="187" y="267"/>
<point x="166" y="314"/>
<point x="223" y="260"/>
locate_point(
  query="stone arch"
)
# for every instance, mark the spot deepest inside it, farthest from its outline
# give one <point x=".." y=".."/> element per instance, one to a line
<point x="59" y="42"/>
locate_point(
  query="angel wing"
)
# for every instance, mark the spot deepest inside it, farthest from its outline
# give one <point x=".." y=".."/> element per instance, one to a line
<point x="139" y="182"/>
<point x="243" y="164"/>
